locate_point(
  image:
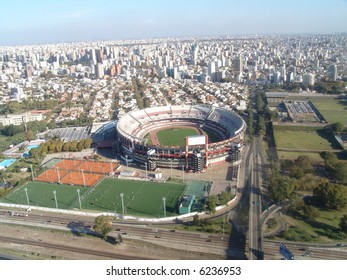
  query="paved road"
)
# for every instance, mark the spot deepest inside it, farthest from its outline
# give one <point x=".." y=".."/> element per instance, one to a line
<point x="255" y="204"/>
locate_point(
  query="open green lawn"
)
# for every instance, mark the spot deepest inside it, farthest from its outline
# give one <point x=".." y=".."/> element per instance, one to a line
<point x="316" y="231"/>
<point x="41" y="194"/>
<point x="175" y="136"/>
<point x="140" y="198"/>
<point x="332" y="109"/>
<point x="314" y="140"/>
<point x="294" y="155"/>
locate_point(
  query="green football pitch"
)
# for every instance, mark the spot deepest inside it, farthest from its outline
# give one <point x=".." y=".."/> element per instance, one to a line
<point x="41" y="194"/>
<point x="175" y="136"/>
<point x="140" y="198"/>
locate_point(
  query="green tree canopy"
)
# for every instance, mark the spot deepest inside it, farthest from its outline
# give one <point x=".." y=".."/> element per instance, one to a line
<point x="103" y="225"/>
<point x="331" y="196"/>
<point x="337" y="127"/>
<point x="343" y="223"/>
<point x="211" y="204"/>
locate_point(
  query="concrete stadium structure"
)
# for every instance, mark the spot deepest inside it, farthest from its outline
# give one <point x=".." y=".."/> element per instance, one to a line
<point x="228" y="126"/>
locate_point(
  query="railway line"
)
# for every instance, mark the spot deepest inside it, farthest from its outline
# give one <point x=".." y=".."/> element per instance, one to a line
<point x="79" y="250"/>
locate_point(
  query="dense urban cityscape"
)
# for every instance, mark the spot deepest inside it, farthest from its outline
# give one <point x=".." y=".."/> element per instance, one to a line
<point x="141" y="130"/>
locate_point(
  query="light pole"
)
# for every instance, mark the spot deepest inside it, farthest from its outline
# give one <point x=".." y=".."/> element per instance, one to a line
<point x="164" y="206"/>
<point x="58" y="175"/>
<point x="79" y="198"/>
<point x="183" y="173"/>
<point x="121" y="197"/>
<point x="126" y="160"/>
<point x="26" y="194"/>
<point x="84" y="179"/>
<point x="171" y="169"/>
<point x="32" y="172"/>
<point x="55" y="198"/>
<point x="146" y="169"/>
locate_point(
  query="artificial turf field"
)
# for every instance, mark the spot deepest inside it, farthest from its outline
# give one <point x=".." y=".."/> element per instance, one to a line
<point x="140" y="198"/>
<point x="41" y="194"/>
<point x="175" y="136"/>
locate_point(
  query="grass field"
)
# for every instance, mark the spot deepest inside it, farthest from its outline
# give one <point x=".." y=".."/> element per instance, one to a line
<point x="41" y="194"/>
<point x="332" y="109"/>
<point x="304" y="140"/>
<point x="294" y="155"/>
<point x="315" y="231"/>
<point x="175" y="136"/>
<point x="140" y="198"/>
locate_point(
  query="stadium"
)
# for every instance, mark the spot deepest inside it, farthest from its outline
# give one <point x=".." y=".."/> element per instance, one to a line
<point x="210" y="135"/>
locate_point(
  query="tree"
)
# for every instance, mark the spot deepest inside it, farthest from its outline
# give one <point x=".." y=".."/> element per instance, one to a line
<point x="304" y="163"/>
<point x="103" y="225"/>
<point x="211" y="204"/>
<point x="343" y="223"/>
<point x="340" y="172"/>
<point x="225" y="197"/>
<point x="337" y="127"/>
<point x="281" y="187"/>
<point x="331" y="196"/>
<point x="311" y="212"/>
<point x="196" y="221"/>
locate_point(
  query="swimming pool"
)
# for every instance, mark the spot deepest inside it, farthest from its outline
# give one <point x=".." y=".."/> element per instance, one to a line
<point x="7" y="162"/>
<point x="26" y="154"/>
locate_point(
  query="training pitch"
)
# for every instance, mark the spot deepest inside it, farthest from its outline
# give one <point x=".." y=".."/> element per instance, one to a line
<point x="140" y="198"/>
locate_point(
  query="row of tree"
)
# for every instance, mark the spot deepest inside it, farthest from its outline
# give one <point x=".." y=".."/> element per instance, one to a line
<point x="221" y="199"/>
<point x="14" y="107"/>
<point x="336" y="168"/>
<point x="57" y="146"/>
<point x="138" y="88"/>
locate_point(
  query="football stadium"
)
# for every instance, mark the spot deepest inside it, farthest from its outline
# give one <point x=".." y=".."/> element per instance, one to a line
<point x="189" y="136"/>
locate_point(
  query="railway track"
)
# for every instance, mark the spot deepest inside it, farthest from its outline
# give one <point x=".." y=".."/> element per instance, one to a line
<point x="69" y="248"/>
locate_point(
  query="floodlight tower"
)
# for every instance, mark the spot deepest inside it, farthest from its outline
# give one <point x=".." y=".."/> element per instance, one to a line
<point x="55" y="199"/>
<point x="122" y="198"/>
<point x="26" y="194"/>
<point x="164" y="206"/>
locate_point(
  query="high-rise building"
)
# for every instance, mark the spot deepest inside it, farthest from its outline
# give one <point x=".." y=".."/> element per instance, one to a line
<point x="99" y="71"/>
<point x="308" y="79"/>
<point x="333" y="72"/>
<point x="211" y="70"/>
<point x="238" y="64"/>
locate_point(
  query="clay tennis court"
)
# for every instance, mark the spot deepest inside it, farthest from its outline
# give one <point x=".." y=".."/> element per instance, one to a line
<point x="77" y="172"/>
<point x="81" y="178"/>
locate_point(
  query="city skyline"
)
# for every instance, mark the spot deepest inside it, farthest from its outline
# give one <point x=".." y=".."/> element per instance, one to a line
<point x="37" y="22"/>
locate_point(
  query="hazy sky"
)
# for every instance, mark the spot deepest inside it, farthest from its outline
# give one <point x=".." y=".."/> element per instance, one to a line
<point x="46" y="21"/>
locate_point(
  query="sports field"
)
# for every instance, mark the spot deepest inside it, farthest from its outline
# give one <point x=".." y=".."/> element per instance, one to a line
<point x="140" y="198"/>
<point x="175" y="136"/>
<point x="332" y="109"/>
<point x="41" y="194"/>
<point x="308" y="140"/>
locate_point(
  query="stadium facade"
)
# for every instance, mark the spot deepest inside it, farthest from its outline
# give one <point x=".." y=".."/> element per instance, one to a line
<point x="228" y="127"/>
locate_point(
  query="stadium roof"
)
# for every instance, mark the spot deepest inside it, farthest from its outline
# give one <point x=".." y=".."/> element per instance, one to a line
<point x="277" y="94"/>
